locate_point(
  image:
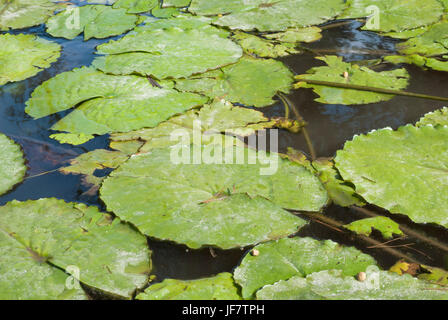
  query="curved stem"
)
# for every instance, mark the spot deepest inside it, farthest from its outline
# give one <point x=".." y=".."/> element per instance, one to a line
<point x="288" y="104"/>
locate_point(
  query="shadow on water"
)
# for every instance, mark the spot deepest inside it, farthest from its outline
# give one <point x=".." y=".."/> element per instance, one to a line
<point x="329" y="127"/>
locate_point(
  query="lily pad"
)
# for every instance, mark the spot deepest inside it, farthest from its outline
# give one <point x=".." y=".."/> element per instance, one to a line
<point x="252" y="82"/>
<point x="165" y="53"/>
<point x="49" y="235"/>
<point x="23" y="56"/>
<point x="285" y="258"/>
<point x="435" y="118"/>
<point x="12" y="164"/>
<point x="72" y="138"/>
<point x="176" y="3"/>
<point x="219" y="287"/>
<point x="418" y="60"/>
<point x="385" y="225"/>
<point x="260" y="47"/>
<point x="430" y="43"/>
<point x="395" y="15"/>
<point x="348" y="73"/>
<point x="333" y="285"/>
<point x="309" y="34"/>
<point x="96" y="21"/>
<point x="107" y="103"/>
<point x="403" y="171"/>
<point x="18" y="14"/>
<point x="232" y="204"/>
<point x="268" y="15"/>
<point x="136" y="6"/>
<point x="218" y="117"/>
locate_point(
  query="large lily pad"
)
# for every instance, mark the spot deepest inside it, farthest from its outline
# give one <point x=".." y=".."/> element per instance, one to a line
<point x="49" y="234"/>
<point x="435" y="118"/>
<point x="404" y="171"/>
<point x="395" y="15"/>
<point x="107" y="103"/>
<point x="231" y="204"/>
<point x="268" y="15"/>
<point x="23" y="56"/>
<point x="17" y="14"/>
<point x="333" y="285"/>
<point x="164" y="53"/>
<point x="219" y="287"/>
<point x="218" y="117"/>
<point x="347" y="73"/>
<point x="12" y="164"/>
<point x="252" y="82"/>
<point x="96" y="21"/>
<point x="285" y="258"/>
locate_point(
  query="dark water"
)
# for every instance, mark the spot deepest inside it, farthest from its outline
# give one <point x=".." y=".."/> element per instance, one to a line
<point x="329" y="127"/>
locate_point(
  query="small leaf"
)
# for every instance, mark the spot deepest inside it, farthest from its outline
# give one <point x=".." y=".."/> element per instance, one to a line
<point x="385" y="225"/>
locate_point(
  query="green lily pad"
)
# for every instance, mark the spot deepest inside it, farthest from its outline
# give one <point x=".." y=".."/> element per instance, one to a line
<point x="260" y="47"/>
<point x="403" y="171"/>
<point x="72" y="138"/>
<point x="434" y="275"/>
<point x="232" y="204"/>
<point x="136" y="6"/>
<point x="219" y="287"/>
<point x="107" y="103"/>
<point x="18" y="14"/>
<point x="309" y="34"/>
<point x="430" y="43"/>
<point x="285" y="258"/>
<point x="218" y="117"/>
<point x="347" y="73"/>
<point x="12" y="164"/>
<point x="268" y="15"/>
<point x="406" y="34"/>
<point x="395" y="15"/>
<point x="435" y="118"/>
<point x="420" y="61"/>
<point x="165" y="53"/>
<point x="23" y="56"/>
<point x="49" y="235"/>
<point x="176" y="3"/>
<point x="333" y="285"/>
<point x="165" y="13"/>
<point x="339" y="191"/>
<point x="184" y="22"/>
<point x="252" y="82"/>
<point x="385" y="225"/>
<point x="96" y="21"/>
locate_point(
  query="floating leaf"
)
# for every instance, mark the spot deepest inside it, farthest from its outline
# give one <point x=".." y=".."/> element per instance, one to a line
<point x="176" y="3"/>
<point x="232" y="204"/>
<point x="434" y="275"/>
<point x="165" y="12"/>
<point x="420" y="61"/>
<point x="309" y="34"/>
<point x="338" y="190"/>
<point x="385" y="225"/>
<point x="220" y="287"/>
<point x="23" y="56"/>
<point x="18" y="14"/>
<point x="136" y="6"/>
<point x="49" y="234"/>
<point x="72" y="138"/>
<point x="252" y="82"/>
<point x="347" y="73"/>
<point x="219" y="117"/>
<point x="395" y="15"/>
<point x="272" y="15"/>
<point x="107" y="103"/>
<point x="430" y="43"/>
<point x="438" y="117"/>
<point x="184" y="22"/>
<point x="164" y="53"/>
<point x="96" y="21"/>
<point x="402" y="267"/>
<point x="404" y="171"/>
<point x="285" y="258"/>
<point x="333" y="285"/>
<point x="252" y="44"/>
<point x="12" y="164"/>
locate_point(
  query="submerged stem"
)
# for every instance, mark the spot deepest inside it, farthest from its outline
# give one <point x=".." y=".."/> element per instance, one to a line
<point x="373" y="89"/>
<point x="288" y="104"/>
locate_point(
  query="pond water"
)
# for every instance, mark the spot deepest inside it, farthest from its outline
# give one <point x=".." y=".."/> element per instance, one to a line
<point x="329" y="127"/>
